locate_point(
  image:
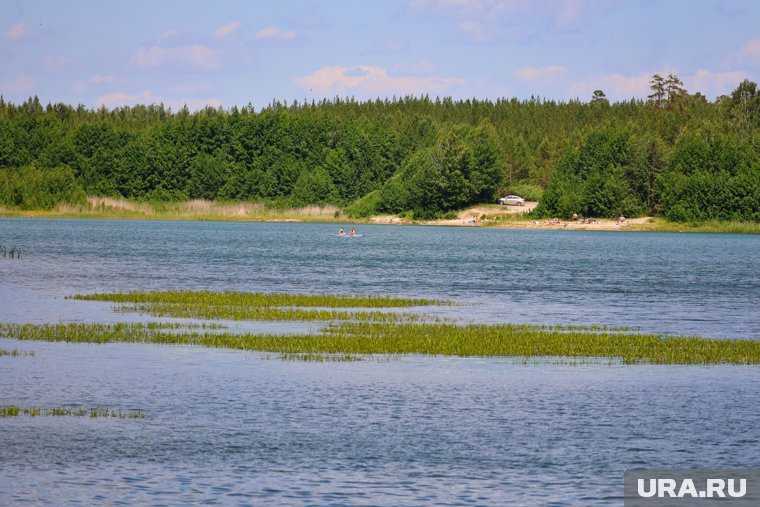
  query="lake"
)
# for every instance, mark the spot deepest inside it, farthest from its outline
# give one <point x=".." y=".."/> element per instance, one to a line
<point x="230" y="427"/>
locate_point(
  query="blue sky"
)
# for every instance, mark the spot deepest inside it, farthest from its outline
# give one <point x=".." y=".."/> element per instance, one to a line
<point x="232" y="53"/>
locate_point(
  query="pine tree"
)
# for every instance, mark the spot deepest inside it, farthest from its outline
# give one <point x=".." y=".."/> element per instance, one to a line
<point x="657" y="85"/>
<point x="674" y="90"/>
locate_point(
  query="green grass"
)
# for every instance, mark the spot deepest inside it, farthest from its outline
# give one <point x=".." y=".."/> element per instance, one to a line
<point x="15" y="411"/>
<point x="661" y="225"/>
<point x="261" y="299"/>
<point x="231" y="312"/>
<point x="351" y="339"/>
<point x="263" y="306"/>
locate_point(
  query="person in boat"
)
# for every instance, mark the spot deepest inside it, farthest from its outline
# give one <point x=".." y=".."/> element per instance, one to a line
<point x="341" y="232"/>
<point x="353" y="232"/>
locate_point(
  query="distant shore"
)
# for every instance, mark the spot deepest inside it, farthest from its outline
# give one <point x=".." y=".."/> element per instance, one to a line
<point x="488" y="215"/>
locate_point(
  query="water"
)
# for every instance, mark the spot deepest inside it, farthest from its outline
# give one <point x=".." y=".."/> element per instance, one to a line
<point x="229" y="427"/>
<point x="703" y="284"/>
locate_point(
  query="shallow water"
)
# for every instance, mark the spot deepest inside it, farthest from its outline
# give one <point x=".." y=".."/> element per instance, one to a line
<point x="231" y="427"/>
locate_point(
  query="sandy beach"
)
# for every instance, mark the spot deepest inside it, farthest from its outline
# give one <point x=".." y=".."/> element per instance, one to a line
<point x="509" y="217"/>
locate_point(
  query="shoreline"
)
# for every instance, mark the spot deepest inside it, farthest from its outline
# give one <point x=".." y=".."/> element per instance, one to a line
<point x="484" y="216"/>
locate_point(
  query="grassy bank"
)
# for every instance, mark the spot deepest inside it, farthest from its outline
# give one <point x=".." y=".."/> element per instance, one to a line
<point x="662" y="225"/>
<point x="198" y="209"/>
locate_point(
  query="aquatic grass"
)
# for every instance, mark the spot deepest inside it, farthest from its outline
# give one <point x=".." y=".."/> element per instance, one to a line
<point x="319" y="357"/>
<point x="16" y="352"/>
<point x="261" y="299"/>
<point x="182" y="325"/>
<point x="396" y="339"/>
<point x="10" y="252"/>
<point x="232" y="312"/>
<point x="265" y="306"/>
<point x="15" y="411"/>
<point x="9" y="411"/>
<point x="527" y="341"/>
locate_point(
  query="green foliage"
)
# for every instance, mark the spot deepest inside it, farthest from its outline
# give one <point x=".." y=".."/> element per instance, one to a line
<point x="314" y="187"/>
<point x="595" y="180"/>
<point x="407" y="155"/>
<point x="31" y="188"/>
<point x="461" y="169"/>
<point x="365" y="206"/>
<point x="711" y="177"/>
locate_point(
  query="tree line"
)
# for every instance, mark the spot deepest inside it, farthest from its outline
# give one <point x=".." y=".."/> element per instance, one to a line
<point x="675" y="154"/>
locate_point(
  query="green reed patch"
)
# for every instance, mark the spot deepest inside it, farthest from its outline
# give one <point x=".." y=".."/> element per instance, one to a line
<point x="532" y="341"/>
<point x="264" y="306"/>
<point x="15" y="411"/>
<point x="395" y="339"/>
<point x="262" y="313"/>
<point x="261" y="299"/>
<point x="319" y="357"/>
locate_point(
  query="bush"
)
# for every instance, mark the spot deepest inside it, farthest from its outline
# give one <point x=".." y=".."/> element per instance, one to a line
<point x="32" y="188"/>
<point x="364" y="206"/>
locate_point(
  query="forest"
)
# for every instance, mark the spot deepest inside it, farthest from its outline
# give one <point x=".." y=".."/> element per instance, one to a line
<point x="676" y="154"/>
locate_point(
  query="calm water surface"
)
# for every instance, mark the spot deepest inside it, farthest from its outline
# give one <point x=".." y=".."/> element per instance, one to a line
<point x="237" y="428"/>
<point x="704" y="284"/>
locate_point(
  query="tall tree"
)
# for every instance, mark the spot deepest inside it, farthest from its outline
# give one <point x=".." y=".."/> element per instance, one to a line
<point x="659" y="91"/>
<point x="674" y="90"/>
<point x="599" y="97"/>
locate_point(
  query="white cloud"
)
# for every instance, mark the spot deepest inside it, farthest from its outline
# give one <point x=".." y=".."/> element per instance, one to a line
<point x="369" y="80"/>
<point x="712" y="84"/>
<point x="169" y="34"/>
<point x="422" y="67"/>
<point x="275" y="33"/>
<point x="195" y="55"/>
<point x="484" y="20"/>
<point x="749" y="53"/>
<point x="118" y="99"/>
<point x="52" y="64"/>
<point x="101" y="78"/>
<point x="22" y="84"/>
<point x="569" y="13"/>
<point x="617" y="86"/>
<point x="473" y="30"/>
<point x="622" y="87"/>
<point x="17" y="31"/>
<point x="470" y="8"/>
<point x="542" y="74"/>
<point x="227" y="30"/>
<point x="95" y="80"/>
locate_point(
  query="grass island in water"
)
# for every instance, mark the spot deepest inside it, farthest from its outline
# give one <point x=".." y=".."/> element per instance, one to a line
<point x="354" y="332"/>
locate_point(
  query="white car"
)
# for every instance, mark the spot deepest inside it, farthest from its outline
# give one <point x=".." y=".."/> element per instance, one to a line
<point x="512" y="200"/>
